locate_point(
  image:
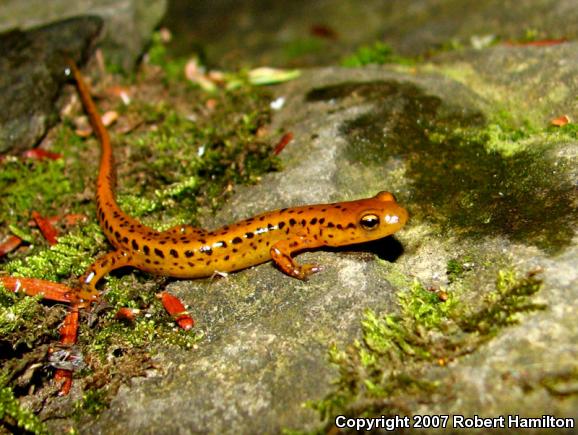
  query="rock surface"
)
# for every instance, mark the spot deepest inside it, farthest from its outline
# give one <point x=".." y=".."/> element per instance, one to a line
<point x="305" y="33"/>
<point x="267" y="335"/>
<point x="506" y="196"/>
<point x="32" y="75"/>
<point x="128" y="25"/>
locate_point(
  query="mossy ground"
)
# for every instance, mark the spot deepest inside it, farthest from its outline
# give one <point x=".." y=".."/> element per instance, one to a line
<point x="469" y="175"/>
<point x="469" y="178"/>
<point x="387" y="371"/>
<point x="179" y="150"/>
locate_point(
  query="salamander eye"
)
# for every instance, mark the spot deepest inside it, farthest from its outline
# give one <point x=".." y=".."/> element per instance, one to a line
<point x="369" y="221"/>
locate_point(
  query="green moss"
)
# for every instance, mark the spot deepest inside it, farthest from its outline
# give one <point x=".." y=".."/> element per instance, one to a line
<point x="377" y="54"/>
<point x="32" y="185"/>
<point x="13" y="415"/>
<point x="169" y="167"/>
<point x="93" y="402"/>
<point x="467" y="178"/>
<point x="502" y="306"/>
<point x="71" y="256"/>
<point x="387" y="371"/>
<point x="300" y="47"/>
<point x="456" y="268"/>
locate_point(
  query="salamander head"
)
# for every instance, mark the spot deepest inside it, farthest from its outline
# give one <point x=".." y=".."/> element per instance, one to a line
<point x="368" y="219"/>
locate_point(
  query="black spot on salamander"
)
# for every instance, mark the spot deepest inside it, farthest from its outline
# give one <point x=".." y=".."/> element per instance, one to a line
<point x="203" y="241"/>
<point x="115" y="214"/>
<point x="163" y="242"/>
<point x="146" y="249"/>
<point x="125" y="239"/>
<point x="184" y="239"/>
<point x="237" y="240"/>
<point x="262" y="218"/>
<point x="330" y="236"/>
<point x="350" y="225"/>
<point x="300" y="212"/>
<point x="189" y="253"/>
<point x="222" y="244"/>
<point x="235" y="250"/>
<point x="330" y="225"/>
<point x="249" y="235"/>
<point x="174" y="253"/>
<point x="147" y="261"/>
<point x="280" y="225"/>
<point x="292" y="221"/>
<point x="208" y="262"/>
<point x="159" y="253"/>
<point x="283" y="209"/>
<point x="303" y="222"/>
<point x="293" y="244"/>
<point x="270" y="227"/>
<point x="190" y="264"/>
<point x="287" y="231"/>
<point x="339" y="226"/>
<point x="337" y="206"/>
<point x="134" y="245"/>
<point x="117" y="235"/>
<point x="252" y="245"/>
<point x="206" y="250"/>
<point x="291" y="211"/>
<point x="323" y="210"/>
<point x="313" y="221"/>
<point x="322" y="221"/>
<point x="104" y="263"/>
<point x="268" y="243"/>
<point x="157" y="262"/>
<point x="226" y="258"/>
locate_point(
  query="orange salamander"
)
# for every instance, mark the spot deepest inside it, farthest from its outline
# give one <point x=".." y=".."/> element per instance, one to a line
<point x="188" y="252"/>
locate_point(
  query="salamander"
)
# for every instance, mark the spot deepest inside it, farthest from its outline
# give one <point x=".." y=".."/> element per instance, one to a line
<point x="188" y="252"/>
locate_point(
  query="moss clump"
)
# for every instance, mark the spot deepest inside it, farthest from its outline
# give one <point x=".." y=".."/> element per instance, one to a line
<point x="183" y="154"/>
<point x="467" y="178"/>
<point x="377" y="54"/>
<point x="386" y="372"/>
<point x="13" y="415"/>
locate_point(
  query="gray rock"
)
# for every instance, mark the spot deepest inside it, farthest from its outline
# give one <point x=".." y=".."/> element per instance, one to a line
<point x="32" y="74"/>
<point x="358" y="132"/>
<point x="128" y="25"/>
<point x="257" y="32"/>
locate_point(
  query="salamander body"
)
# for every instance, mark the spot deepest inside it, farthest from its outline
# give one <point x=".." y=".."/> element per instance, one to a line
<point x="188" y="252"/>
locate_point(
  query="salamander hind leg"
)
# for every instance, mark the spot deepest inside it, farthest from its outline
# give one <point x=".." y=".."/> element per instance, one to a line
<point x="103" y="265"/>
<point x="281" y="254"/>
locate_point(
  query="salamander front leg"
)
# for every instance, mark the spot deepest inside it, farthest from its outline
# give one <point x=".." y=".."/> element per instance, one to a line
<point x="281" y="254"/>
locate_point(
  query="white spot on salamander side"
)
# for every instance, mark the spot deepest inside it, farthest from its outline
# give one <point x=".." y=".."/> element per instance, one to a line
<point x="89" y="278"/>
<point x="391" y="219"/>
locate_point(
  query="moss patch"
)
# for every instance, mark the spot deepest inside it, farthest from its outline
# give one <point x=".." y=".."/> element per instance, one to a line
<point x="386" y="372"/>
<point x="466" y="177"/>
<point x="186" y="151"/>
